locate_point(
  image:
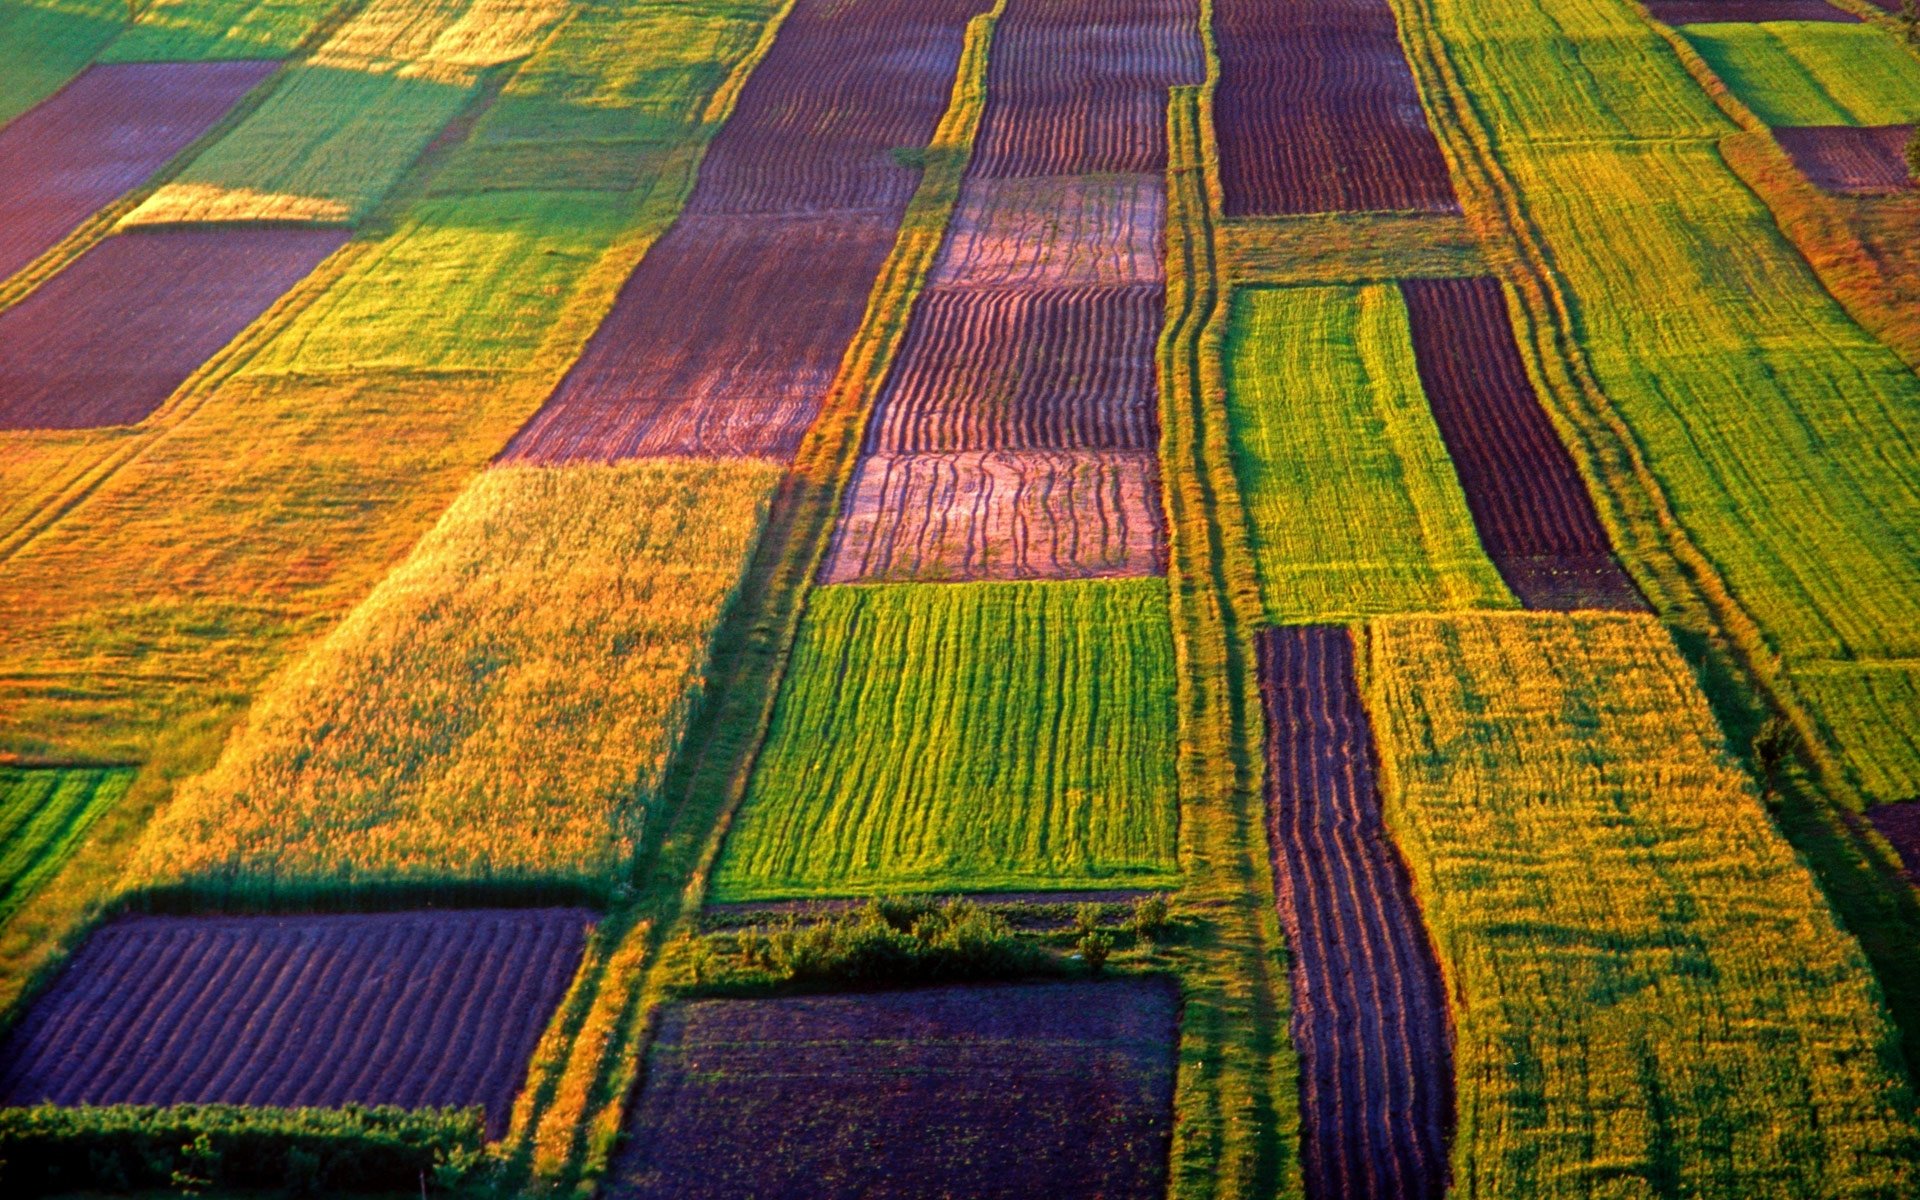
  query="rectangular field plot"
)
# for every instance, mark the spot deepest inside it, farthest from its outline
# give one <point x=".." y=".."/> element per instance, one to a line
<point x="1369" y="1014"/>
<point x="1637" y="953"/>
<point x="1699" y="12"/>
<point x="1528" y="500"/>
<point x="1079" y="87"/>
<point x="1814" y="73"/>
<point x="43" y="813"/>
<point x="1354" y="505"/>
<point x="110" y="337"/>
<point x="1851" y="160"/>
<point x="999" y="515"/>
<point x="102" y="134"/>
<point x="1056" y="232"/>
<point x="1025" y="369"/>
<point x="554" y="620"/>
<point x="966" y="737"/>
<point x="1055" y="1090"/>
<point x="846" y="84"/>
<point x="414" y="1009"/>
<point x="682" y="366"/>
<point x="1317" y="112"/>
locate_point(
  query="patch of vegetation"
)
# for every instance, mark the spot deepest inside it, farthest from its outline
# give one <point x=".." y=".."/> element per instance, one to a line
<point x="47" y="42"/>
<point x="1813" y="72"/>
<point x="43" y="813"/>
<point x="211" y="30"/>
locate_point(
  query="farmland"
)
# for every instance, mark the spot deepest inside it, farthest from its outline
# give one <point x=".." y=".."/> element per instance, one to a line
<point x="1142" y="598"/>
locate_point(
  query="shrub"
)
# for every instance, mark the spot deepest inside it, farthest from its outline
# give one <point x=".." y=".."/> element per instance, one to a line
<point x="1094" y="949"/>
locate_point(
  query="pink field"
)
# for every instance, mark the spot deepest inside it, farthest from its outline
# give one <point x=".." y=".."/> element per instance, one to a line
<point x="1056" y="231"/>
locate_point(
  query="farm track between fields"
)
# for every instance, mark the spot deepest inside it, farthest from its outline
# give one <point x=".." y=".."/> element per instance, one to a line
<point x="110" y="337"/>
<point x="1532" y="509"/>
<point x="1850" y="160"/>
<point x="1316" y="111"/>
<point x="416" y="1009"/>
<point x="1370" y="1009"/>
<point x="107" y="131"/>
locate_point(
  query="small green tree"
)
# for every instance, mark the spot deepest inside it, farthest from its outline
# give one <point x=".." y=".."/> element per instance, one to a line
<point x="1094" y="949"/>
<point x="1773" y="747"/>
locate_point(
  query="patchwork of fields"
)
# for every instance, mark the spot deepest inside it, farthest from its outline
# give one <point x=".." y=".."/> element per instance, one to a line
<point x="1030" y="598"/>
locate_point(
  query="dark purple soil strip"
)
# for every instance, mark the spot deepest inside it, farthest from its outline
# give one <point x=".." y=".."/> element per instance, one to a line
<point x="417" y="1009"/>
<point x="1704" y="12"/>
<point x="1057" y="1090"/>
<point x="1369" y="1007"/>
<point x="1528" y="501"/>
<point x="107" y="339"/>
<point x="727" y="336"/>
<point x="1900" y="825"/>
<point x="1316" y="112"/>
<point x="102" y="134"/>
<point x="1851" y="161"/>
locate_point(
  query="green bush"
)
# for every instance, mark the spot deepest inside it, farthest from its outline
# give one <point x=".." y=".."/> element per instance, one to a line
<point x="195" y="1147"/>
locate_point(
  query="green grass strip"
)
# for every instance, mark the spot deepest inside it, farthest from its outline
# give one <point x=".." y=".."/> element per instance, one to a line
<point x="1814" y="72"/>
<point x="43" y="812"/>
<point x="967" y="737"/>
<point x="1354" y="505"/>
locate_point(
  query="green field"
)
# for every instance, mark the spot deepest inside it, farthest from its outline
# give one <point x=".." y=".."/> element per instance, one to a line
<point x="44" y="812"/>
<point x="966" y="737"/>
<point x="47" y="42"/>
<point x="1814" y="72"/>
<point x="200" y="30"/>
<point x="1354" y="505"/>
<point x="1652" y="996"/>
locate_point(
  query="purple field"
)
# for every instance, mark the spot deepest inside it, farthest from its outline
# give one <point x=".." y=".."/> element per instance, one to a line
<point x="415" y="1009"/>
<point x="1056" y="1090"/>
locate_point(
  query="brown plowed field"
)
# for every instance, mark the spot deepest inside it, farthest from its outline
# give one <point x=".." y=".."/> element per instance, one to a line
<point x="109" y="338"/>
<point x="1316" y="112"/>
<point x="1025" y="369"/>
<point x="1056" y="1090"/>
<point x="1080" y="86"/>
<point x="998" y="515"/>
<point x="1900" y="825"/>
<point x="722" y="342"/>
<point x="845" y="84"/>
<point x="105" y="132"/>
<point x="1369" y="1008"/>
<point x="419" y="1009"/>
<point x="1853" y="161"/>
<point x="1697" y="12"/>
<point x="1529" y="503"/>
<point x="1056" y="231"/>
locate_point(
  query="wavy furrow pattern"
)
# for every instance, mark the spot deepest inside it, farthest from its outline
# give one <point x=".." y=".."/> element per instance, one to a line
<point x="727" y="335"/>
<point x="999" y="515"/>
<point x="1535" y="517"/>
<point x="1079" y="87"/>
<point x="1316" y="112"/>
<point x="1370" y="1010"/>
<point x="110" y="337"/>
<point x="1025" y="369"/>
<point x="419" y="1009"/>
<point x="1056" y="231"/>
<point x="102" y="134"/>
<point x="1849" y="159"/>
<point x="910" y="1095"/>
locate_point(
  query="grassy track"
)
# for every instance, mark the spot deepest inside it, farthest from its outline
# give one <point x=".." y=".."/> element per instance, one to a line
<point x="1814" y="72"/>
<point x="1349" y="248"/>
<point x="1651" y="989"/>
<point x="43" y="813"/>
<point x="47" y="42"/>
<point x="1354" y="505"/>
<point x="966" y="737"/>
<point x="502" y="707"/>
<point x="208" y="30"/>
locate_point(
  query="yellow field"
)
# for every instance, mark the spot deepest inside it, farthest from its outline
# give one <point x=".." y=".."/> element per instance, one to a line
<point x="1651" y="997"/>
<point x="502" y="706"/>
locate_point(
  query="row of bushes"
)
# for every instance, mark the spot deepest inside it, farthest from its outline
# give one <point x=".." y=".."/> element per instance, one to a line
<point x="308" y="1151"/>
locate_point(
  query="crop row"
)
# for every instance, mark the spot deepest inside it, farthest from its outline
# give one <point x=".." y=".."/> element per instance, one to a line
<point x="44" y="811"/>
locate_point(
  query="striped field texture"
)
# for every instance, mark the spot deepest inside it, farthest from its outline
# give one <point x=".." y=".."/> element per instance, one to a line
<point x="101" y="135"/>
<point x="1317" y="112"/>
<point x="414" y="1009"/>
<point x="500" y="710"/>
<point x="1354" y="505"/>
<point x="1851" y="160"/>
<point x="1370" y="1009"/>
<point x="110" y="337"/>
<point x="1056" y="1090"/>
<point x="1700" y="12"/>
<point x="1031" y="514"/>
<point x="43" y="813"/>
<point x="966" y="737"/>
<point x="1055" y="232"/>
<point x="1025" y="369"/>
<point x="1648" y="983"/>
<point x="1079" y="87"/>
<point x="1814" y="73"/>
<point x="1528" y="500"/>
